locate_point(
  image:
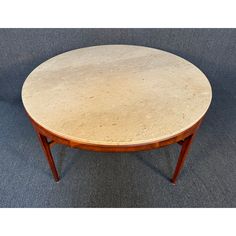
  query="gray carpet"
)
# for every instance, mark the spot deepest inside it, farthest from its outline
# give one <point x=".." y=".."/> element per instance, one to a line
<point x="141" y="179"/>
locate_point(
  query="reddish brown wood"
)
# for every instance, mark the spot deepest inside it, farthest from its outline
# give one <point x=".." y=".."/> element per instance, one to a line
<point x="48" y="154"/>
<point x="186" y="144"/>
<point x="181" y="142"/>
<point x="182" y="156"/>
<point x="184" y="139"/>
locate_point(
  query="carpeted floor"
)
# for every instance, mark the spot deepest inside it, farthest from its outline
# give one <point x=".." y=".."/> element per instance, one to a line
<point x="91" y="179"/>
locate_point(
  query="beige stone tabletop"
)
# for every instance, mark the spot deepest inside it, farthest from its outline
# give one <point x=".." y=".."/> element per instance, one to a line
<point x="116" y="95"/>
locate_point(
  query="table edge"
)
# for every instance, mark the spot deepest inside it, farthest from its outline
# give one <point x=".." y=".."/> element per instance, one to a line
<point x="115" y="147"/>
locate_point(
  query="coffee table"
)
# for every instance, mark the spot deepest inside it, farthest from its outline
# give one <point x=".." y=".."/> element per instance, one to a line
<point x="116" y="98"/>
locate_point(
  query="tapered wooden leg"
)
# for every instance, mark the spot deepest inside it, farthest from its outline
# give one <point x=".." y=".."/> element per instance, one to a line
<point x="46" y="148"/>
<point x="182" y="156"/>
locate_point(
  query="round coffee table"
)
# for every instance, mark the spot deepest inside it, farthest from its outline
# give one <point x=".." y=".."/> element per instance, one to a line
<point x="116" y="98"/>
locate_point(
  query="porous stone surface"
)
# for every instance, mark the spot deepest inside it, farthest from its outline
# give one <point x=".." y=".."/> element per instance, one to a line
<point x="116" y="95"/>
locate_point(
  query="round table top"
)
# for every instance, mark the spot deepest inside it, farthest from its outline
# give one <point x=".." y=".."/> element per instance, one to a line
<point x="116" y="95"/>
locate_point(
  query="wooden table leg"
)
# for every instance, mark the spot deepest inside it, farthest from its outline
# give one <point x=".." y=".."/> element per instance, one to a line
<point x="186" y="143"/>
<point x="182" y="156"/>
<point x="46" y="148"/>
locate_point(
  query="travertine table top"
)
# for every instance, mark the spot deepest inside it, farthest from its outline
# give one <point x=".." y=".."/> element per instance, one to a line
<point x="116" y="95"/>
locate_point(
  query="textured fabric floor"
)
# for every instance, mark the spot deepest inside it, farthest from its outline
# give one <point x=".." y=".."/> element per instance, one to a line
<point x="91" y="179"/>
